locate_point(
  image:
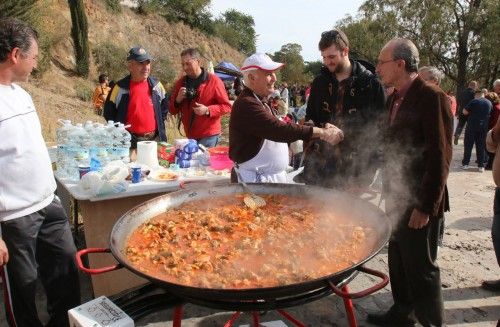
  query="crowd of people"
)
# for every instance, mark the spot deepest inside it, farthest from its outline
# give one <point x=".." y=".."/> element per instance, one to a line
<point x="358" y="119"/>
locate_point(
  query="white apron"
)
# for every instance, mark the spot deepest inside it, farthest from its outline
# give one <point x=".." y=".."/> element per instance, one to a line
<point x="269" y="165"/>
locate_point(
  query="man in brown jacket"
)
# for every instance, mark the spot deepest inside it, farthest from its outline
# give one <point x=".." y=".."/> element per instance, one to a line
<point x="493" y="146"/>
<point x="418" y="155"/>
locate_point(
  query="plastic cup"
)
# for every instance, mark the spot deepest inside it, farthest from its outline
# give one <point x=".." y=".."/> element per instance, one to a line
<point x="136" y="174"/>
<point x="82" y="170"/>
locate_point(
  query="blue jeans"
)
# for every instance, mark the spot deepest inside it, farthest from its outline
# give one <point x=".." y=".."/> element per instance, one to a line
<point x="209" y="141"/>
<point x="495" y="227"/>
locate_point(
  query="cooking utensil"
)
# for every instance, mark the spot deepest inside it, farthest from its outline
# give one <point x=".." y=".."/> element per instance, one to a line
<point x="251" y="200"/>
<point x="359" y="211"/>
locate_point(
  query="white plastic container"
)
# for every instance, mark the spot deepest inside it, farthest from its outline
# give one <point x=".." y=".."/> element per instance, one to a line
<point x="99" y="312"/>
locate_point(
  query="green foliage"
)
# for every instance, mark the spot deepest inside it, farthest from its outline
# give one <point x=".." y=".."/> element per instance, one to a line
<point x="83" y="91"/>
<point x="313" y="68"/>
<point x="163" y="70"/>
<point x="113" y="6"/>
<point x="29" y="12"/>
<point x="79" y="33"/>
<point x="194" y="13"/>
<point x="22" y="9"/>
<point x="366" y="36"/>
<point x="237" y="29"/>
<point x="460" y="37"/>
<point x="147" y="7"/>
<point x="293" y="71"/>
<point x="110" y="60"/>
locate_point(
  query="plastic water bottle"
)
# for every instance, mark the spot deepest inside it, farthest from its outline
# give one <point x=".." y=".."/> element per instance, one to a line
<point x="100" y="143"/>
<point x="123" y="141"/>
<point x="78" y="150"/>
<point x="62" y="135"/>
<point x="109" y="141"/>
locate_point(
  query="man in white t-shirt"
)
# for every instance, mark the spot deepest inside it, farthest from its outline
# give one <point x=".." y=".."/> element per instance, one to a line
<point x="36" y="240"/>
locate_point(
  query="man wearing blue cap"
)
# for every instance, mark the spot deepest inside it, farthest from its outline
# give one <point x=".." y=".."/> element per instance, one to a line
<point x="139" y="100"/>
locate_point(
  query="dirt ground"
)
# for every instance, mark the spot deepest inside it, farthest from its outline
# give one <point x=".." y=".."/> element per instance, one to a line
<point x="466" y="258"/>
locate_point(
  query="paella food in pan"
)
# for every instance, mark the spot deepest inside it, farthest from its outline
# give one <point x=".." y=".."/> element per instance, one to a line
<point x="221" y="243"/>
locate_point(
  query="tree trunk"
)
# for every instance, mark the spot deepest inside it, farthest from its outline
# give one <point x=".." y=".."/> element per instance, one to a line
<point x="463" y="56"/>
<point x="79" y="33"/>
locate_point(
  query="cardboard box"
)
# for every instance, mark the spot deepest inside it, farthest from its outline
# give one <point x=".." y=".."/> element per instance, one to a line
<point x="99" y="312"/>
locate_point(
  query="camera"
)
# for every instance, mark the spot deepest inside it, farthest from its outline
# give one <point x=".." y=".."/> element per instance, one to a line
<point x="190" y="93"/>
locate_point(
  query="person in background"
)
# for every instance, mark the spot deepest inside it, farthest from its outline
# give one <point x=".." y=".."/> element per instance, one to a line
<point x="308" y="92"/>
<point x="495" y="113"/>
<point x="493" y="145"/>
<point x="430" y="74"/>
<point x="285" y="94"/>
<point x="453" y="103"/>
<point x="478" y="115"/>
<point x="238" y="86"/>
<point x="200" y="99"/>
<point x="350" y="96"/>
<point x="100" y="94"/>
<point x="139" y="100"/>
<point x="418" y="153"/>
<point x="36" y="240"/>
<point x="257" y="137"/>
<point x="496" y="87"/>
<point x="464" y="98"/>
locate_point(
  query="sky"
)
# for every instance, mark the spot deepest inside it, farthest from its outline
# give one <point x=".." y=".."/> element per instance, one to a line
<point x="292" y="21"/>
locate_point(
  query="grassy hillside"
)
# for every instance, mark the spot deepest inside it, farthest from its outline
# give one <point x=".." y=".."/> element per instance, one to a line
<point x="58" y="93"/>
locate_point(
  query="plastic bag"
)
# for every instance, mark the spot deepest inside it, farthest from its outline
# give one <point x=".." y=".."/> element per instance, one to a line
<point x="110" y="181"/>
<point x="91" y="183"/>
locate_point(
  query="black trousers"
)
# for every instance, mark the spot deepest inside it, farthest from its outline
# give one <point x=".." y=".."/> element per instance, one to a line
<point x="475" y="136"/>
<point x="462" y="120"/>
<point x="41" y="246"/>
<point x="415" y="277"/>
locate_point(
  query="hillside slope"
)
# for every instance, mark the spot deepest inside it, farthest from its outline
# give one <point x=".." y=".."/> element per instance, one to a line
<point x="55" y="93"/>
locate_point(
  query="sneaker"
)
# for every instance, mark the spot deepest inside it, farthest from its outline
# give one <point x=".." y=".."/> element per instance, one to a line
<point x="480" y="169"/>
<point x="465" y="167"/>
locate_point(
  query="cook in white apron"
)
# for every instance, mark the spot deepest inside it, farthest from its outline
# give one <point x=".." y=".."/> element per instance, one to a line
<point x="269" y="165"/>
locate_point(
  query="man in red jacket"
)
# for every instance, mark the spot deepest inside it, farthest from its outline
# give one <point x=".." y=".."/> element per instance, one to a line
<point x="201" y="99"/>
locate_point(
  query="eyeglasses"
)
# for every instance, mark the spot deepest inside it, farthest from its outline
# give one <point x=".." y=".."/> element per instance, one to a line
<point x="382" y="62"/>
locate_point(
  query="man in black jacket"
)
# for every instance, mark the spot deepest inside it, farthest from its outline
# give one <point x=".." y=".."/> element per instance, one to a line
<point x="349" y="96"/>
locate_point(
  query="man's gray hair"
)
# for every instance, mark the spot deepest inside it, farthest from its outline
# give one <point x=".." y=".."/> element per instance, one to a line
<point x="246" y="77"/>
<point x="496" y="82"/>
<point x="434" y="73"/>
<point x="406" y="50"/>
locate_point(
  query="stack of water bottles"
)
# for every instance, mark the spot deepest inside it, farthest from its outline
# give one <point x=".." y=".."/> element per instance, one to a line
<point x="89" y="147"/>
<point x="184" y="153"/>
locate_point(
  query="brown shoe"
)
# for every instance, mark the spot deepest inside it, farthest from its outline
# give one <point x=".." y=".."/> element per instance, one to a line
<point x="491" y="285"/>
<point x="455" y="140"/>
